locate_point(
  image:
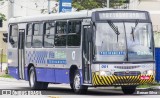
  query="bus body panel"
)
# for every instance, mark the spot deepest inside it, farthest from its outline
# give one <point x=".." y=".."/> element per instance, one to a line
<point x="122" y="74"/>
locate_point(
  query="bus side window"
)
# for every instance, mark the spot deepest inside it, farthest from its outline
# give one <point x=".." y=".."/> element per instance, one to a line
<point x="37" y="35"/>
<point x="29" y="35"/>
<point x="49" y="34"/>
<point x="14" y="36"/>
<point x="61" y="34"/>
<point x="74" y="33"/>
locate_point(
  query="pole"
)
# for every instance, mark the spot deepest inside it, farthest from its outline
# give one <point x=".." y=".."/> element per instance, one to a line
<point x="107" y="3"/>
<point x="1" y="58"/>
<point x="48" y="6"/>
<point x="10" y="9"/>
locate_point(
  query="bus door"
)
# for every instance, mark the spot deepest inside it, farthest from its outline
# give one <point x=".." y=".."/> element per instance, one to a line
<point x="21" y="41"/>
<point x="86" y="55"/>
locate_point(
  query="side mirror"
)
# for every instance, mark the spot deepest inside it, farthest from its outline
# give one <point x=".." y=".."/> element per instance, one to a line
<point x="5" y="39"/>
<point x="11" y="41"/>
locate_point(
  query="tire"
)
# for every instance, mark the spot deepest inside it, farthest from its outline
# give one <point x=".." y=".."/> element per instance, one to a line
<point x="77" y="87"/>
<point x="71" y="85"/>
<point x="34" y="84"/>
<point x="128" y="90"/>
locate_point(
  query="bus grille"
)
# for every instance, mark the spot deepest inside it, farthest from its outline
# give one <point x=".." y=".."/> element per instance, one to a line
<point x="130" y="73"/>
<point x="126" y="67"/>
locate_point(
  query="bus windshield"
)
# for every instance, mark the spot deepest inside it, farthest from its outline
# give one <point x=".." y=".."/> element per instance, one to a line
<point x="123" y="41"/>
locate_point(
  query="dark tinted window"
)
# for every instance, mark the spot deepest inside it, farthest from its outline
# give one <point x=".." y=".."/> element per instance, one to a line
<point x="74" y="33"/>
<point x="60" y="36"/>
<point x="14" y="36"/>
<point x="37" y="35"/>
<point x="29" y="35"/>
<point x="49" y="34"/>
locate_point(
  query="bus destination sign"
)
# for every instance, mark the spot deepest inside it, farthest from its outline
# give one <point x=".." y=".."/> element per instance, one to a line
<point x="121" y="15"/>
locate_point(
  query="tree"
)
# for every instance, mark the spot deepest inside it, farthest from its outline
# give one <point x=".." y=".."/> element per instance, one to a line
<point x="91" y="4"/>
<point x="2" y="16"/>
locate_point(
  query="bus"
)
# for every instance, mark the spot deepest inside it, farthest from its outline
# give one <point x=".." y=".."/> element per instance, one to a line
<point x="92" y="48"/>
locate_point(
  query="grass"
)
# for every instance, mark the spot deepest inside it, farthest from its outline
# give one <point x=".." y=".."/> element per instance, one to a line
<point x="148" y="85"/>
<point x="6" y="76"/>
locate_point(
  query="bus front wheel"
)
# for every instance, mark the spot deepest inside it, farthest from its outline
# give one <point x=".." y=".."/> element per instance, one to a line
<point x="76" y="85"/>
<point x="128" y="89"/>
<point x="34" y="84"/>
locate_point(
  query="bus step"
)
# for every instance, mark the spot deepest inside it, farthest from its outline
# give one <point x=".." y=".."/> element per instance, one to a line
<point x="87" y="84"/>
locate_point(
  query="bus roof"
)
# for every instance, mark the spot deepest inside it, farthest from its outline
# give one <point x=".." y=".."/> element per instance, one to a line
<point x="57" y="16"/>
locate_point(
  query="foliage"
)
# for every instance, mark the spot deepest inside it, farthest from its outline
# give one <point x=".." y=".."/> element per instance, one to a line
<point x="6" y="71"/>
<point x="91" y="4"/>
<point x="2" y="16"/>
<point x="157" y="39"/>
<point x="4" y="58"/>
<point x="6" y="76"/>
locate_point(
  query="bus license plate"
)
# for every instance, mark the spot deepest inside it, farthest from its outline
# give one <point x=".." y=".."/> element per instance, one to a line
<point x="145" y="77"/>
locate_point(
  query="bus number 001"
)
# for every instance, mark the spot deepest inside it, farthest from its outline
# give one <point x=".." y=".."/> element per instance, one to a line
<point x="104" y="66"/>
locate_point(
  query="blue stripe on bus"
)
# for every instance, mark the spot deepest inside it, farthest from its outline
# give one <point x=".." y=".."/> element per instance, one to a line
<point x="52" y="75"/>
<point x="26" y="74"/>
<point x="46" y="74"/>
<point x="13" y="71"/>
<point x="112" y="53"/>
<point x="50" y="61"/>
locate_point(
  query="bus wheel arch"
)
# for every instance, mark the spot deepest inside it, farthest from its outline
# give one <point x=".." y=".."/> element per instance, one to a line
<point x="29" y="67"/>
<point x="72" y="70"/>
<point x="75" y="80"/>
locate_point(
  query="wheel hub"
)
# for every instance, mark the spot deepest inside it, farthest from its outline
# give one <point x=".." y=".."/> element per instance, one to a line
<point x="32" y="79"/>
<point x="77" y="82"/>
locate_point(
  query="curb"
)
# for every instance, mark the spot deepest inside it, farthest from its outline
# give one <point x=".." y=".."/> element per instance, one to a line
<point x="10" y="80"/>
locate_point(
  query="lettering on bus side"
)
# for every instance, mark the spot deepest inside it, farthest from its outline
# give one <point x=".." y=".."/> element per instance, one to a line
<point x="51" y="54"/>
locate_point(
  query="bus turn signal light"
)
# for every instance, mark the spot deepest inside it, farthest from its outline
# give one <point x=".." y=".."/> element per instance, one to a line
<point x="145" y="77"/>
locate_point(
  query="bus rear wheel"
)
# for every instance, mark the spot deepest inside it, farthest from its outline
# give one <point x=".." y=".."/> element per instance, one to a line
<point x="76" y="85"/>
<point x="34" y="84"/>
<point x="128" y="89"/>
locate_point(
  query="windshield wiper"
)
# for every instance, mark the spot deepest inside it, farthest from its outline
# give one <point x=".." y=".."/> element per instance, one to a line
<point x="133" y="29"/>
<point x="115" y="29"/>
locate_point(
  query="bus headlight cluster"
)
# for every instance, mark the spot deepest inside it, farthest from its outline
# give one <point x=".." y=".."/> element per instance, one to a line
<point x="9" y="61"/>
<point x="149" y="72"/>
<point x="105" y="73"/>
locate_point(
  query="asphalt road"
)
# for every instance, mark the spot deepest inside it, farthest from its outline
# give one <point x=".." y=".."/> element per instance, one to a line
<point x="64" y="91"/>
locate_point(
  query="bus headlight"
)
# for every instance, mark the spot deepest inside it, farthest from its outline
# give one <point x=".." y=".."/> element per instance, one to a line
<point x="9" y="61"/>
<point x="102" y="73"/>
<point x="149" y="72"/>
<point x="105" y="73"/>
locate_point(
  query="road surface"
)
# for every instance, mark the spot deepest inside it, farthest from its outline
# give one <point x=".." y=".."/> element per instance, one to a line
<point x="64" y="91"/>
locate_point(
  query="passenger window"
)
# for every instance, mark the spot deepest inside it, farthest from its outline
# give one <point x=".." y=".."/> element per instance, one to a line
<point x="37" y="35"/>
<point x="61" y="34"/>
<point x="49" y="34"/>
<point x="13" y="39"/>
<point x="74" y="33"/>
<point x="29" y="35"/>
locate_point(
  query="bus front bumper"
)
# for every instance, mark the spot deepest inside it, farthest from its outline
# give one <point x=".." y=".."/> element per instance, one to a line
<point x="113" y="80"/>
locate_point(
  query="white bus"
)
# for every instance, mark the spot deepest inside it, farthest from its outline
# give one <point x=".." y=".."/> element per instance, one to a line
<point x="84" y="49"/>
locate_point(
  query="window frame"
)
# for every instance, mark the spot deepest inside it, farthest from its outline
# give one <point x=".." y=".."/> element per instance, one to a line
<point x="38" y="35"/>
<point x="29" y="35"/>
<point x="60" y="34"/>
<point x="44" y="30"/>
<point x="10" y="33"/>
<point x="77" y="20"/>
